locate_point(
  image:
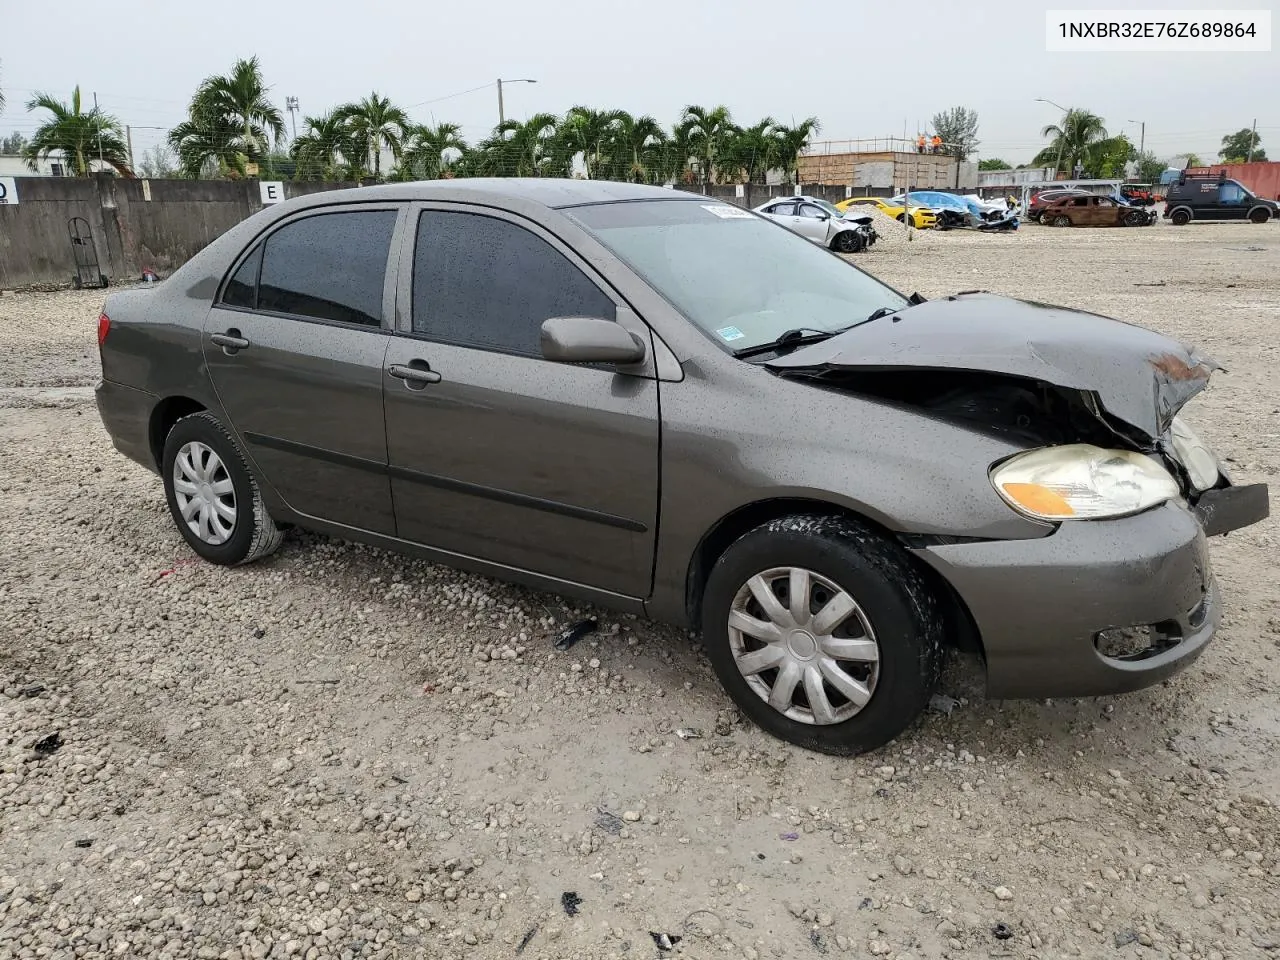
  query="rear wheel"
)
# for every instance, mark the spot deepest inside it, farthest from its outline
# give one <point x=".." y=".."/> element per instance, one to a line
<point x="1062" y="221"/>
<point x="823" y="633"/>
<point x="1180" y="218"/>
<point x="1260" y="215"/>
<point x="212" y="496"/>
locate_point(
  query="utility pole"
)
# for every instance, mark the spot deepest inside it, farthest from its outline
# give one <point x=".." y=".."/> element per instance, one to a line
<point x="128" y="135"/>
<point x="1253" y="138"/>
<point x="501" y="115"/>
<point x="99" y="120"/>
<point x="291" y="104"/>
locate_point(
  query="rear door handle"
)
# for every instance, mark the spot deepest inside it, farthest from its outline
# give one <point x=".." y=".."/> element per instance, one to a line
<point x="231" y="340"/>
<point x="413" y="375"/>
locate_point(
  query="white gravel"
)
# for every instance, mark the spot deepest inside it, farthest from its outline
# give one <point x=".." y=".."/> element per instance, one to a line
<point x="343" y="753"/>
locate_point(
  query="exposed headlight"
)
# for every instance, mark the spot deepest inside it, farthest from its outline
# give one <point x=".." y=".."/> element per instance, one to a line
<point x="1200" y="463"/>
<point x="1082" y="482"/>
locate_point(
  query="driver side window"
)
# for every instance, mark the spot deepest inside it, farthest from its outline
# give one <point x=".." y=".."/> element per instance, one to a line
<point x="812" y="212"/>
<point x="1230" y="193"/>
<point x="487" y="283"/>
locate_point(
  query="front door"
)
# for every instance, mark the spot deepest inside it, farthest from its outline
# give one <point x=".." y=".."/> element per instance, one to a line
<point x="1233" y="201"/>
<point x="813" y="222"/>
<point x="295" y="348"/>
<point x="495" y="452"/>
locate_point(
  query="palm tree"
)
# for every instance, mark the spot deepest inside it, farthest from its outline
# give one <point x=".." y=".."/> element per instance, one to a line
<point x="431" y="152"/>
<point x="326" y="150"/>
<point x="78" y="137"/>
<point x="791" y="140"/>
<point x="638" y="151"/>
<point x="706" y="133"/>
<point x="376" y="124"/>
<point x="1071" y="142"/>
<point x="230" y="122"/>
<point x="749" y="154"/>
<point x="590" y="133"/>
<point x="529" y="149"/>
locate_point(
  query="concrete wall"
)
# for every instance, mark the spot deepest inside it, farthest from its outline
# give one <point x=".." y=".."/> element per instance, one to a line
<point x="887" y="170"/>
<point x="131" y="233"/>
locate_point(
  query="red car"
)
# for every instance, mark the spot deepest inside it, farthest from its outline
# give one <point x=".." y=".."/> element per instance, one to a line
<point x="1091" y="210"/>
<point x="1036" y="207"/>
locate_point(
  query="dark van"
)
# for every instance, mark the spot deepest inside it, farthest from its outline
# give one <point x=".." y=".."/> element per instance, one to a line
<point x="1215" y="198"/>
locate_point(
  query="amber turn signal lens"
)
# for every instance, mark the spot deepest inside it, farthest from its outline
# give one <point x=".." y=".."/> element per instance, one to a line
<point x="1038" y="499"/>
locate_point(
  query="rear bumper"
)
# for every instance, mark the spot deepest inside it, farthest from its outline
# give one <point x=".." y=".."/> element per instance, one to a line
<point x="126" y="413"/>
<point x="1040" y="605"/>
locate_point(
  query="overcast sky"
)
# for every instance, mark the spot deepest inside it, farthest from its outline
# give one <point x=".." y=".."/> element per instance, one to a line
<point x="843" y="61"/>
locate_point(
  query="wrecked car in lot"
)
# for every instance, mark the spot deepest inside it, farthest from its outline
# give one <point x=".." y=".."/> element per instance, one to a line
<point x="1095" y="211"/>
<point x="824" y="224"/>
<point x="669" y="406"/>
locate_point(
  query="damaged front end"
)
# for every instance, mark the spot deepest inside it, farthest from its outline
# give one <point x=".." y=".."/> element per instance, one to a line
<point x="1039" y="376"/>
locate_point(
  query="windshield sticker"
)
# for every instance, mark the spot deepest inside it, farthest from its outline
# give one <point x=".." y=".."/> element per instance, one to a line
<point x="730" y="333"/>
<point x="726" y="212"/>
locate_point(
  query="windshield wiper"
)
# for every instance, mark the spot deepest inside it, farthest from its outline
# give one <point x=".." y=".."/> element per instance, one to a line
<point x="796" y="337"/>
<point x="879" y="312"/>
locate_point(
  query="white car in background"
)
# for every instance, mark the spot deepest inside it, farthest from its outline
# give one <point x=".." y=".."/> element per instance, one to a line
<point x="817" y="220"/>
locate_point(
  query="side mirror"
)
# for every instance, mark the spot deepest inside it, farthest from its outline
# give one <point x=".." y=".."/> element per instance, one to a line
<point x="589" y="340"/>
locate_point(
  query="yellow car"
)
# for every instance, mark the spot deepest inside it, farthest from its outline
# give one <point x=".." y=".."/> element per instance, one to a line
<point x="921" y="217"/>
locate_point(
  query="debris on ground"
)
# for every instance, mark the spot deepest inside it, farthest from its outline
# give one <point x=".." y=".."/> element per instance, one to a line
<point x="665" y="941"/>
<point x="31" y="690"/>
<point x="49" y="744"/>
<point x="689" y="733"/>
<point x="941" y="703"/>
<point x="575" y="633"/>
<point x="84" y="844"/>
<point x="1125" y="937"/>
<point x="817" y="940"/>
<point x="610" y="823"/>
<point x="791" y="835"/>
<point x="1002" y="931"/>
<point x="570" y="901"/>
<point x="524" y="941"/>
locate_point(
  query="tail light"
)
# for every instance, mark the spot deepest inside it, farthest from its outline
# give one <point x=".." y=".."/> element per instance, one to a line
<point x="104" y="327"/>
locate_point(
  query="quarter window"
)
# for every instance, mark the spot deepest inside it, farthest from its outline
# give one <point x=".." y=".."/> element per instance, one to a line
<point x="487" y="283"/>
<point x="242" y="289"/>
<point x="331" y="267"/>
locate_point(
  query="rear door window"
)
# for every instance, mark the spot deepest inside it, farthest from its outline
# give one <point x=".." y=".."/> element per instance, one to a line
<point x="483" y="282"/>
<point x="332" y="266"/>
<point x="782" y="209"/>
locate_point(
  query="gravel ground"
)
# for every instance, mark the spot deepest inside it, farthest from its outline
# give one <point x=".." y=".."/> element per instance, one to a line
<point x="344" y="753"/>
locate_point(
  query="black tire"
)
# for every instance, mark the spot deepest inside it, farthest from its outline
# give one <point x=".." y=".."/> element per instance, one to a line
<point x="1136" y="218"/>
<point x="883" y="580"/>
<point x="1062" y="221"/>
<point x="254" y="534"/>
<point x="848" y="241"/>
<point x="1259" y="215"/>
<point x="1180" y="218"/>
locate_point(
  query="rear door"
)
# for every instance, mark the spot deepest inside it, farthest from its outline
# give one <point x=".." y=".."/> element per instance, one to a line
<point x="495" y="452"/>
<point x="295" y="347"/>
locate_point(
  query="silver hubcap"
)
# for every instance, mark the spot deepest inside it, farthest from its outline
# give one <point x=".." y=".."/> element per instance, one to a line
<point x="205" y="494"/>
<point x="804" y="645"/>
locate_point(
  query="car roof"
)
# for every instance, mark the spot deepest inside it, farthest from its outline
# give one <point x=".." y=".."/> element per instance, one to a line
<point x="552" y="192"/>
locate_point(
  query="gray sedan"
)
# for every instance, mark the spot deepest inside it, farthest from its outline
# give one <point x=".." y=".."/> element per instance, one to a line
<point x="664" y="404"/>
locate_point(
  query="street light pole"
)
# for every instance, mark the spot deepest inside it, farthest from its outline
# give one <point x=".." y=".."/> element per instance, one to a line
<point x="502" y="116"/>
<point x="1062" y="136"/>
<point x="291" y="104"/>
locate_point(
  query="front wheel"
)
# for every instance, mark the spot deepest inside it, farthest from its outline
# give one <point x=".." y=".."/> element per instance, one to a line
<point x="1136" y="218"/>
<point x="1259" y="215"/>
<point x="848" y="241"/>
<point x="823" y="633"/>
<point x="213" y="498"/>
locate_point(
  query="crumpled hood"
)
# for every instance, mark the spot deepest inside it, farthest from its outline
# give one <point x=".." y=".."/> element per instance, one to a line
<point x="1140" y="377"/>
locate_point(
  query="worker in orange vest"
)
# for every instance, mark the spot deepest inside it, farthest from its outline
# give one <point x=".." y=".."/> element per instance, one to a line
<point x="937" y="143"/>
<point x="920" y="144"/>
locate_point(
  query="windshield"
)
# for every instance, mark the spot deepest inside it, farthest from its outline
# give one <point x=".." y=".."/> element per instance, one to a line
<point x="740" y="278"/>
<point x="829" y="207"/>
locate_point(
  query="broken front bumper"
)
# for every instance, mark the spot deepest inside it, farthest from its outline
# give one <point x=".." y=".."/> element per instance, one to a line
<point x="1047" y="609"/>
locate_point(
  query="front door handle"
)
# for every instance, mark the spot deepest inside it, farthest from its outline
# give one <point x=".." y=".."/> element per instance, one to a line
<point x="230" y="341"/>
<point x="413" y="376"/>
